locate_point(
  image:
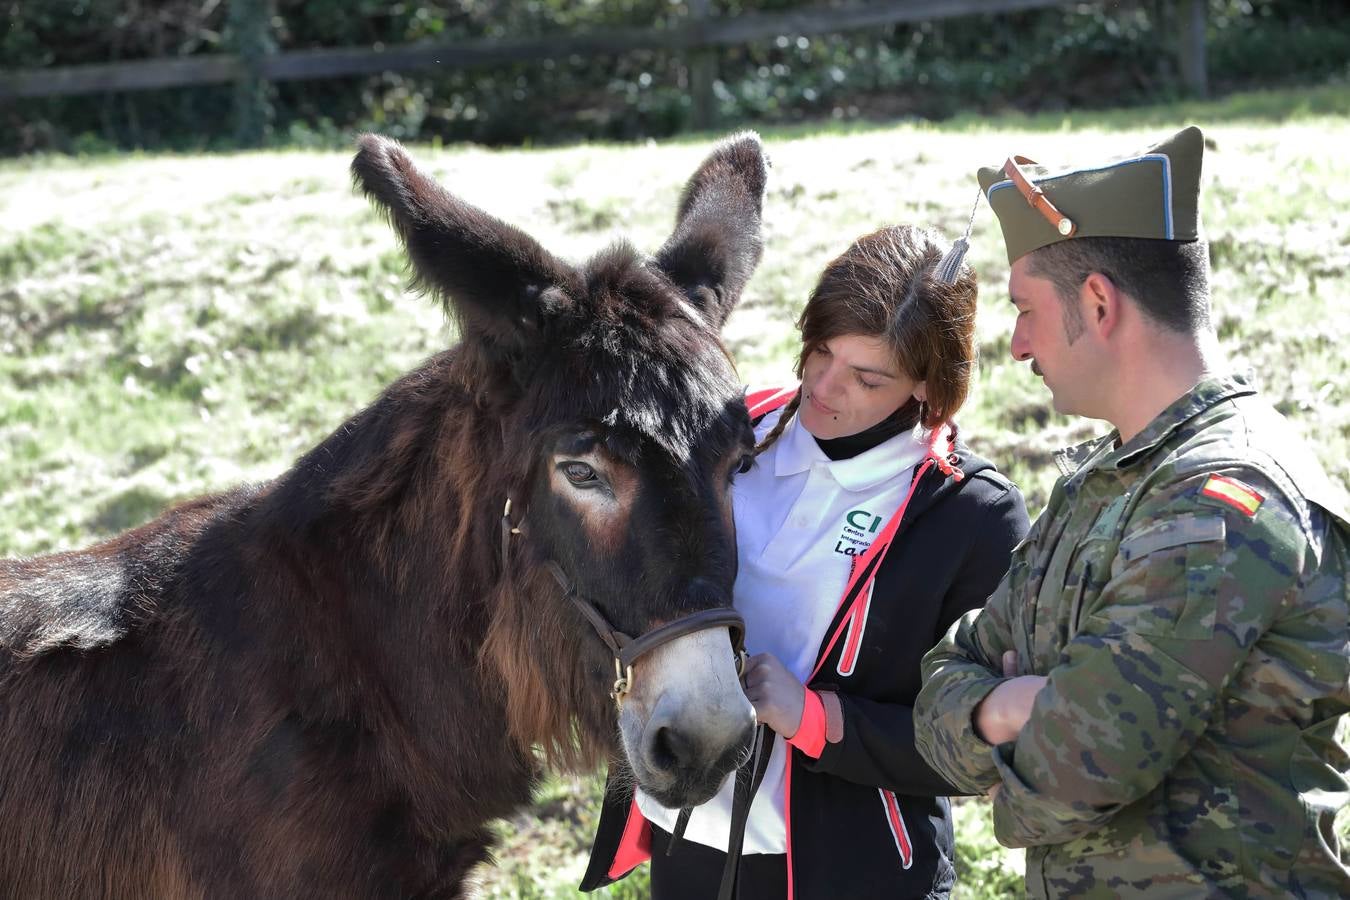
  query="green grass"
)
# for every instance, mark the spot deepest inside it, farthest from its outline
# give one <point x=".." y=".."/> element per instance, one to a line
<point x="171" y="325"/>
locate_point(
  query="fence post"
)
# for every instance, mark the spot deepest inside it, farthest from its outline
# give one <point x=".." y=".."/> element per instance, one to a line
<point x="702" y="72"/>
<point x="251" y="40"/>
<point x="1191" y="46"/>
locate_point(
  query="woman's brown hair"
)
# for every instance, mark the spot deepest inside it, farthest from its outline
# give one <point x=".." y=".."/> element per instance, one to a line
<point x="885" y="285"/>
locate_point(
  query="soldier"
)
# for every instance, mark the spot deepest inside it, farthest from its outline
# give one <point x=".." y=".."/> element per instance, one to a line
<point x="1152" y="695"/>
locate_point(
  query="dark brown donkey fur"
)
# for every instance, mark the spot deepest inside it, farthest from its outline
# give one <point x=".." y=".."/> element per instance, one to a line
<point x="326" y="685"/>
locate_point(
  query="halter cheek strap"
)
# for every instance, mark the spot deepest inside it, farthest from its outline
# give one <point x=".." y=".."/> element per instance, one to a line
<point x="624" y="648"/>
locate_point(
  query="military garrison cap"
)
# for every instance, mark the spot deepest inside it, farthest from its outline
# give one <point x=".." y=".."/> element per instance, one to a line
<point x="1153" y="194"/>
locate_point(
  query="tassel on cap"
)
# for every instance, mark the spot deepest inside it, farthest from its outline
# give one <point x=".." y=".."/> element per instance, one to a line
<point x="950" y="264"/>
<point x="949" y="267"/>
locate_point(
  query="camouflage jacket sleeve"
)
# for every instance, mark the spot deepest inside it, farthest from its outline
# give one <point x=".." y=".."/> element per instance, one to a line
<point x="1194" y="585"/>
<point x="957" y="674"/>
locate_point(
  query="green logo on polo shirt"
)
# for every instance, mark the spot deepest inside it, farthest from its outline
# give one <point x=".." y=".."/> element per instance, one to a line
<point x="856" y="534"/>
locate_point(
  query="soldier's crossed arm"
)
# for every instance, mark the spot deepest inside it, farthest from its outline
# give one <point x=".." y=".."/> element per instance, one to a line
<point x="957" y="674"/>
<point x="1199" y="579"/>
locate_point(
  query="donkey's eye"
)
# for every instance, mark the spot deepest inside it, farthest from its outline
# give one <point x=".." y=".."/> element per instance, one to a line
<point x="578" y="472"/>
<point x="741" y="467"/>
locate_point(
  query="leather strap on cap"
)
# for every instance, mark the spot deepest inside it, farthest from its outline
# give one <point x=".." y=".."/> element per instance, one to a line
<point x="1036" y="197"/>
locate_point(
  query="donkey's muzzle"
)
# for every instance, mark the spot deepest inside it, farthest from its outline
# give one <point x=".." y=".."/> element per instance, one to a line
<point x="684" y="766"/>
<point x="690" y="722"/>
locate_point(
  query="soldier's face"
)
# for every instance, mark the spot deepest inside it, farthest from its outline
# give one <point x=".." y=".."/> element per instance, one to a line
<point x="1044" y="337"/>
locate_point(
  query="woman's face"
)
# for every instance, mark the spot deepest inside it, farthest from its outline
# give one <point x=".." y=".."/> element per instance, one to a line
<point x="849" y="384"/>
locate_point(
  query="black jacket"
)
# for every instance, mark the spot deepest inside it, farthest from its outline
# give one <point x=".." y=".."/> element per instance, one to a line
<point x="949" y="554"/>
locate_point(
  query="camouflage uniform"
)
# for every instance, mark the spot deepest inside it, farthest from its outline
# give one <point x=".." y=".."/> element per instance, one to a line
<point x="1195" y="642"/>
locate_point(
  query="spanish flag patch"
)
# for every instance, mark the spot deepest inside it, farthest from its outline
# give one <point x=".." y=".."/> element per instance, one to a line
<point x="1234" y="493"/>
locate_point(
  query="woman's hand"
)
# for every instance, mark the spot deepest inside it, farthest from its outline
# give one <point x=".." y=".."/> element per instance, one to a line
<point x="776" y="694"/>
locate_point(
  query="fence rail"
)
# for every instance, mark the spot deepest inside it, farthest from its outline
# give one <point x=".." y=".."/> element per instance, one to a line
<point x="701" y="31"/>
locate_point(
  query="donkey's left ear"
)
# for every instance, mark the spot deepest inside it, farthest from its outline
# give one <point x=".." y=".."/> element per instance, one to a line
<point x="496" y="279"/>
<point x="716" y="243"/>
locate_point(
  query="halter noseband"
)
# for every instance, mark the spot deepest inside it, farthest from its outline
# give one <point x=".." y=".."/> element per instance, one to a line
<point x="626" y="649"/>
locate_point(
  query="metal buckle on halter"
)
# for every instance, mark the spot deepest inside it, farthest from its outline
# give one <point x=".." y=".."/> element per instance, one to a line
<point x="623" y="682"/>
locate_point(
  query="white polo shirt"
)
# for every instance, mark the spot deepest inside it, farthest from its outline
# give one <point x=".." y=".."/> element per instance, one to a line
<point x="800" y="519"/>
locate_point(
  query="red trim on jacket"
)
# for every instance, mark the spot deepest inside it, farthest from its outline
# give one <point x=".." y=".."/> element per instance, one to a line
<point x="635" y="847"/>
<point x="766" y="400"/>
<point x="896" y="820"/>
<point x="787" y="818"/>
<point x="857" y="625"/>
<point x="879" y="547"/>
<point x="939" y="448"/>
<point x="810" y="734"/>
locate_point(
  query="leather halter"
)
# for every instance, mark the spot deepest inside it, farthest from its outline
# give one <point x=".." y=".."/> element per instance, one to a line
<point x="624" y="648"/>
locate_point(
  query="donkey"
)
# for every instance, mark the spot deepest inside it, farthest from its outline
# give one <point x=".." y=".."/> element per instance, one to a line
<point x="327" y="685"/>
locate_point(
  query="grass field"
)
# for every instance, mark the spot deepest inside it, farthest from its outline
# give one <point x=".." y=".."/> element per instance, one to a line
<point x="171" y="325"/>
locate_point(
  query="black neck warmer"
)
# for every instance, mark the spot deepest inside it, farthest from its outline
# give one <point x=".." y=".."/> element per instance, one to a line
<point x="850" y="445"/>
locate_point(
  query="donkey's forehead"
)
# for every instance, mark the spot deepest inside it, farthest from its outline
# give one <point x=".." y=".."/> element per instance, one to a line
<point x="680" y="403"/>
<point x="638" y="360"/>
<point x="669" y="384"/>
<point x="684" y="430"/>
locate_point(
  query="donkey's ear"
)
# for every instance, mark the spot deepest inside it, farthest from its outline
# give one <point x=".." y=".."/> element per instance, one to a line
<point x="493" y="277"/>
<point x="716" y="243"/>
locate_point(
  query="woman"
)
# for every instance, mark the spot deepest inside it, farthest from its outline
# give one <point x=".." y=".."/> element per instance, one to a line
<point x="860" y="465"/>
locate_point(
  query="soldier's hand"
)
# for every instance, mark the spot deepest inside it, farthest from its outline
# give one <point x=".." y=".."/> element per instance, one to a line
<point x="1000" y="716"/>
<point x="1009" y="663"/>
<point x="776" y="694"/>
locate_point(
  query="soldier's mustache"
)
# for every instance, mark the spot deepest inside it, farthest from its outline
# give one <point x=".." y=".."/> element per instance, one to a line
<point x="1036" y="369"/>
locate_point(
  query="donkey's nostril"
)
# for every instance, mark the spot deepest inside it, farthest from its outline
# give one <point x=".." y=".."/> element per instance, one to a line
<point x="668" y="750"/>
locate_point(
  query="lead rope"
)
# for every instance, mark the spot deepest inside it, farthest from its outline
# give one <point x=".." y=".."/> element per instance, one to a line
<point x="748" y="778"/>
<point x="747" y="785"/>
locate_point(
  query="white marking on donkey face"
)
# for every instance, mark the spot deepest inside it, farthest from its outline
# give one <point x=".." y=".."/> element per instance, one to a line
<point x="686" y="722"/>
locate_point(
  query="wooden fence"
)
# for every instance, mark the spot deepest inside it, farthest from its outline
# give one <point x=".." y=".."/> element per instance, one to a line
<point x="699" y="33"/>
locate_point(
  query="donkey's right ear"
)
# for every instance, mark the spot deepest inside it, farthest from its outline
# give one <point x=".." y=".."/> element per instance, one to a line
<point x="494" y="278"/>
<point x="716" y="243"/>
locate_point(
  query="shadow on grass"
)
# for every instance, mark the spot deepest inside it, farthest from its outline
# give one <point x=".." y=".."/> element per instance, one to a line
<point x="132" y="507"/>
